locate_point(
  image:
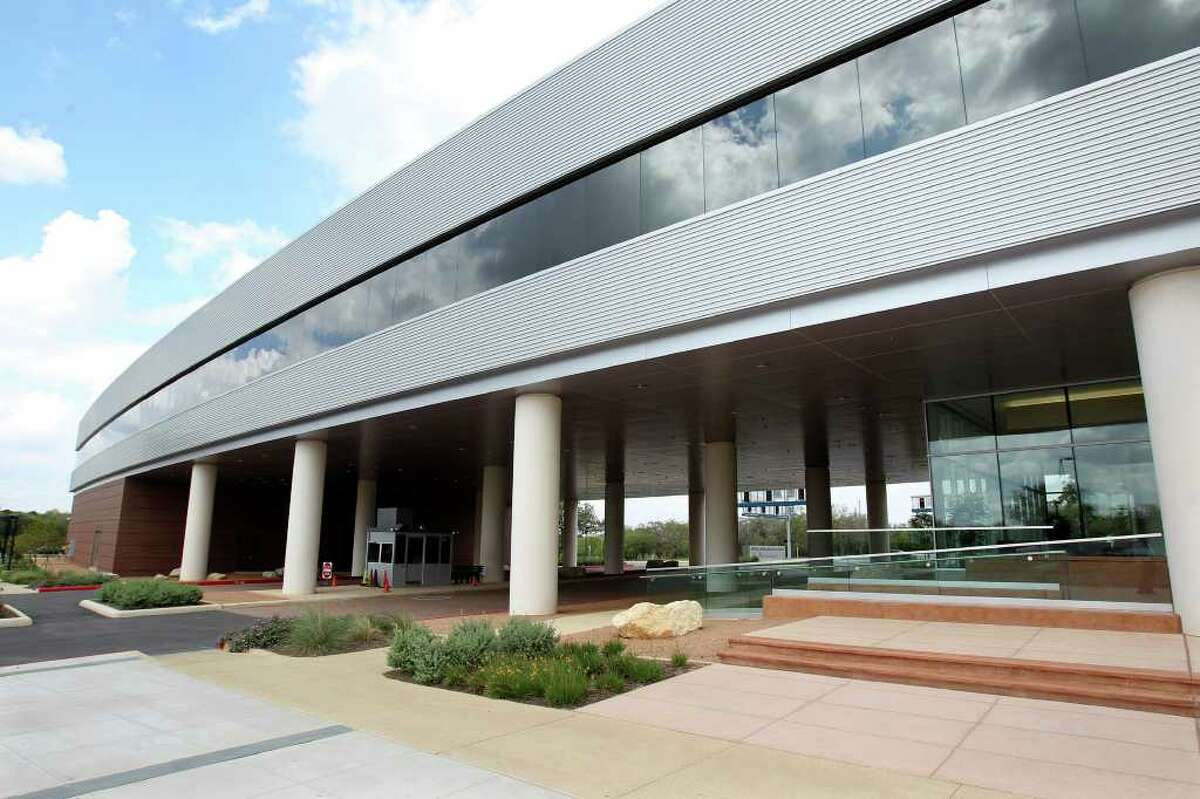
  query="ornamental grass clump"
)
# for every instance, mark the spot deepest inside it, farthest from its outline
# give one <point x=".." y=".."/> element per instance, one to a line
<point x="509" y="677"/>
<point x="636" y="669"/>
<point x="563" y="683"/>
<point x="613" y="647"/>
<point x="529" y="638"/>
<point x="142" y="594"/>
<point x="586" y="656"/>
<point x="317" y="633"/>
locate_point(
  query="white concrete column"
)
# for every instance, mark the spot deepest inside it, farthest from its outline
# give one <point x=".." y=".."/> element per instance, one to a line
<point x="304" y="518"/>
<point x="1166" y="322"/>
<point x="364" y="517"/>
<point x="720" y="503"/>
<point x="877" y="514"/>
<point x="570" y="532"/>
<point x="695" y="528"/>
<point x="491" y="523"/>
<point x="197" y="530"/>
<point x="614" y="528"/>
<point x="818" y="510"/>
<point x="537" y="437"/>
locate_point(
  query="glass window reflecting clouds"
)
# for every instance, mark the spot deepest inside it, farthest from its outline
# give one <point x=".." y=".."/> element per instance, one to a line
<point x="612" y="202"/>
<point x="820" y="123"/>
<point x="1015" y="52"/>
<point x="740" y="156"/>
<point x="911" y="89"/>
<point x="1118" y="491"/>
<point x="1121" y="34"/>
<point x="672" y="181"/>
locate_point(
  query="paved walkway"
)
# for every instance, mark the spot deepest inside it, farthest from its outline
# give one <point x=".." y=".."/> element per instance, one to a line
<point x="62" y="629"/>
<point x="125" y="726"/>
<point x="1040" y="748"/>
<point x="1163" y="651"/>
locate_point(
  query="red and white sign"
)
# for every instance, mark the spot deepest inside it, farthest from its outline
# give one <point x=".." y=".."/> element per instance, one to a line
<point x="327" y="570"/>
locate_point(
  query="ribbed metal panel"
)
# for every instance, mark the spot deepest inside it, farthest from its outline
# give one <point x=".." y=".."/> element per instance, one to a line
<point x="685" y="58"/>
<point x="1110" y="152"/>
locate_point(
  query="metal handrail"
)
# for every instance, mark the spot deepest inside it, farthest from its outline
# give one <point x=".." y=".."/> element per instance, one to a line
<point x="934" y="552"/>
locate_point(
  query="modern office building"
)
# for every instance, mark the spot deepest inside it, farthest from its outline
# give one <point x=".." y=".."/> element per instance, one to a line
<point x="739" y="244"/>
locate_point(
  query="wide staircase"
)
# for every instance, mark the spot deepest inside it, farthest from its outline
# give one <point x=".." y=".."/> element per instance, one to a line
<point x="1063" y="651"/>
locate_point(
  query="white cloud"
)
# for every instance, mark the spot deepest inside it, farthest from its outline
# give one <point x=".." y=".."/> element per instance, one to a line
<point x="387" y="79"/>
<point x="227" y="250"/>
<point x="30" y="157"/>
<point x="231" y="19"/>
<point x="65" y="324"/>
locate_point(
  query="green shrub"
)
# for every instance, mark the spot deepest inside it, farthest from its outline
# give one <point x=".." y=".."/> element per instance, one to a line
<point x="369" y="630"/>
<point x="613" y="647"/>
<point x="138" y="594"/>
<point x="263" y="634"/>
<point x="508" y="677"/>
<point x="429" y="662"/>
<point x="27" y="577"/>
<point x="470" y="643"/>
<point x="636" y="669"/>
<point x="456" y="676"/>
<point x="524" y="637"/>
<point x="563" y="683"/>
<point x="679" y="659"/>
<point x="586" y="656"/>
<point x="405" y="645"/>
<point x="317" y="633"/>
<point x="76" y="578"/>
<point x="610" y="681"/>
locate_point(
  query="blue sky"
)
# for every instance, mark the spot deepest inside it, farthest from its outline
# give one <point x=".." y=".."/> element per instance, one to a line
<point x="152" y="151"/>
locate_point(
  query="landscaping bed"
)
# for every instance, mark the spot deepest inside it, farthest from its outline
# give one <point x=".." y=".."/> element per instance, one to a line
<point x="39" y="578"/>
<point x="147" y="594"/>
<point x="522" y="661"/>
<point x="314" y="633"/>
<point x="700" y="645"/>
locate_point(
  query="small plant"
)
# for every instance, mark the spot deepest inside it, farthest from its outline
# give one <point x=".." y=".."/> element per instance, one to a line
<point x="456" y="676"/>
<point x="563" y="683"/>
<point x="139" y="594"/>
<point x="429" y="662"/>
<point x="613" y="647"/>
<point x="679" y="659"/>
<point x="263" y="634"/>
<point x="586" y="656"/>
<point x="508" y="677"/>
<point x="367" y="630"/>
<point x="406" y="645"/>
<point x="636" y="669"/>
<point x="610" y="681"/>
<point x="470" y="643"/>
<point x="317" y="633"/>
<point x="529" y="638"/>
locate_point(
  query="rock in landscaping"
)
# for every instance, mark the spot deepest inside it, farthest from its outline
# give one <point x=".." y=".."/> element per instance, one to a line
<point x="215" y="576"/>
<point x="174" y="572"/>
<point x="268" y="574"/>
<point x="160" y="577"/>
<point x="648" y="620"/>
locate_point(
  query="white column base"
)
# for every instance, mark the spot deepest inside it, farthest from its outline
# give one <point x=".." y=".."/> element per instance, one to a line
<point x="197" y="530"/>
<point x="304" y="518"/>
<point x="537" y="437"/>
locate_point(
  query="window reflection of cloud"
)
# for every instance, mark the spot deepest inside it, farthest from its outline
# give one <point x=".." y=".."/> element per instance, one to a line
<point x="740" y="154"/>
<point x="820" y="123"/>
<point x="1120" y="34"/>
<point x="911" y="89"/>
<point x="1015" y="52"/>
<point x="672" y="183"/>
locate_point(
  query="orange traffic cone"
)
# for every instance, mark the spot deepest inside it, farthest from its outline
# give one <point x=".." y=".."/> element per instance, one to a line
<point x="387" y="588"/>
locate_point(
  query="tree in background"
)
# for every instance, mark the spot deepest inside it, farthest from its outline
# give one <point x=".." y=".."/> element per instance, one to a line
<point x="40" y="533"/>
<point x="590" y="545"/>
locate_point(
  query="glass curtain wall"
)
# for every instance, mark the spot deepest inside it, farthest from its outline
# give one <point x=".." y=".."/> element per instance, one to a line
<point x="1075" y="461"/>
<point x="981" y="62"/>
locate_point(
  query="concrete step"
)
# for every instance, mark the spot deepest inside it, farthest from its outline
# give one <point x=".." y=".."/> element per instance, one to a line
<point x="1176" y="693"/>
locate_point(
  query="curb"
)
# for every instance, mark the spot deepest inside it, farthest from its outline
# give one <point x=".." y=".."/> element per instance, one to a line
<point x="101" y="609"/>
<point x="54" y="589"/>
<point x="20" y="620"/>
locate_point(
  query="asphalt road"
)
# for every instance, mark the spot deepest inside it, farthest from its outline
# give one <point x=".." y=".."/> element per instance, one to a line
<point x="62" y="629"/>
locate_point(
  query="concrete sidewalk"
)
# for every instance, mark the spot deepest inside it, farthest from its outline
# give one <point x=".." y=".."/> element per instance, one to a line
<point x="577" y="753"/>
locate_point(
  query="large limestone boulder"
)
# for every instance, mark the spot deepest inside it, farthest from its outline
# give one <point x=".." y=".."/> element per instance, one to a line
<point x="648" y="620"/>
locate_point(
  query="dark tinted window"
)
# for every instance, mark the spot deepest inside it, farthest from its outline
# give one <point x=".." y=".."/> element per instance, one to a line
<point x="911" y="89"/>
<point x="1120" y="34"/>
<point x="1034" y="418"/>
<point x="740" y="156"/>
<point x="961" y="425"/>
<point x="612" y="203"/>
<point x="672" y="181"/>
<point x="1108" y="412"/>
<point x="562" y="224"/>
<point x="820" y="123"/>
<point x="1017" y="51"/>
<point x="514" y="239"/>
<point x="1118" y="490"/>
<point x="412" y="288"/>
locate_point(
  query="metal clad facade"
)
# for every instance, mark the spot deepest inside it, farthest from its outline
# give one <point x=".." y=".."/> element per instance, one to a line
<point x="1109" y="152"/>
<point x="683" y="59"/>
